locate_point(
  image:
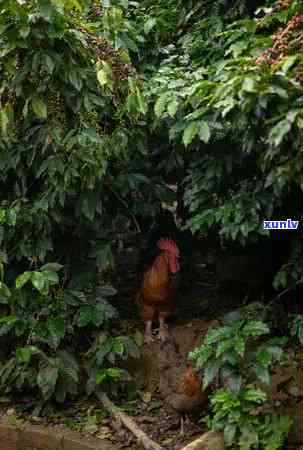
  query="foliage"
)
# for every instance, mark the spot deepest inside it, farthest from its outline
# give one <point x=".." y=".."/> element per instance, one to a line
<point x="102" y="105"/>
<point x="242" y="429"/>
<point x="229" y="97"/>
<point x="50" y="333"/>
<point x="235" y="355"/>
<point x="296" y="327"/>
<point x="70" y="104"/>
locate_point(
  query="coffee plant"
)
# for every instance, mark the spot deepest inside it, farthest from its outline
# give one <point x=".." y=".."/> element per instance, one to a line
<point x="235" y="356"/>
<point x="103" y="106"/>
<point x="242" y="428"/>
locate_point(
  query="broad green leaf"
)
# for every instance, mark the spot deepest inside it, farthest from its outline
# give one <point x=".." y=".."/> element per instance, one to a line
<point x="229" y="433"/>
<point x="161" y="104"/>
<point x="4" y="290"/>
<point x="50" y="64"/>
<point x="38" y="281"/>
<point x="239" y="345"/>
<point x="85" y="316"/>
<point x="51" y="277"/>
<point x="149" y="25"/>
<point x="4" y="120"/>
<point x="189" y="133"/>
<point x="210" y="373"/>
<point x="255" y="328"/>
<point x="204" y="131"/>
<point x="102" y="77"/>
<point x="24" y="31"/>
<point x="47" y="379"/>
<point x="141" y="101"/>
<point x="234" y="382"/>
<point x="53" y="267"/>
<point x="254" y="395"/>
<point x="8" y="320"/>
<point x="172" y="108"/>
<point x="22" y="279"/>
<point x="278" y="132"/>
<point x="75" y="79"/>
<point x="56" y="330"/>
<point x="39" y="107"/>
<point x="248" y="84"/>
<point x="262" y="374"/>
<point x="24" y="354"/>
<point x="288" y="62"/>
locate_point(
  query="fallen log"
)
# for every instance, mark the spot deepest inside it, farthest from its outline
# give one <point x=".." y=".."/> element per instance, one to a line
<point x="124" y="419"/>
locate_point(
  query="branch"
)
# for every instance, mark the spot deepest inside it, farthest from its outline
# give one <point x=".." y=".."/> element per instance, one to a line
<point x="126" y="206"/>
<point x="128" y="422"/>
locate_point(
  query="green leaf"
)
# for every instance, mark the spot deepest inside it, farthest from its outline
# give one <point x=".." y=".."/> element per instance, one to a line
<point x="112" y="373"/>
<point x="24" y="31"/>
<point x="4" y="291"/>
<point x="51" y="277"/>
<point x="161" y="104"/>
<point x="288" y="62"/>
<point x="204" y="132"/>
<point x="234" y="382"/>
<point x="47" y="379"/>
<point x="254" y="395"/>
<point x="149" y="25"/>
<point x="85" y="316"/>
<point x="53" y="267"/>
<point x="118" y="347"/>
<point x="210" y="373"/>
<point x="255" y="328"/>
<point x="189" y="133"/>
<point x="4" y="120"/>
<point x="262" y="374"/>
<point x="38" y="281"/>
<point x="141" y="101"/>
<point x="229" y="434"/>
<point x="8" y="320"/>
<point x="172" y="108"/>
<point x="75" y="79"/>
<point x="50" y="64"/>
<point x="248" y="84"/>
<point x="104" y="75"/>
<point x="22" y="279"/>
<point x="56" y="331"/>
<point x="278" y="132"/>
<point x="278" y="90"/>
<point x="24" y="354"/>
<point x="39" y="107"/>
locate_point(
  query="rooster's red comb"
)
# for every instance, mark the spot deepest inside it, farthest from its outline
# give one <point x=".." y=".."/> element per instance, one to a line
<point x="169" y="246"/>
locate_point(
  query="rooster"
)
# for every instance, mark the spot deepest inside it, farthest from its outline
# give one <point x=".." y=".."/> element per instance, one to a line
<point x="158" y="288"/>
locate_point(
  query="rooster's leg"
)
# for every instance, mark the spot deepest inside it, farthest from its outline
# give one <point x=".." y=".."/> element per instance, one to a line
<point x="163" y="331"/>
<point x="148" y="337"/>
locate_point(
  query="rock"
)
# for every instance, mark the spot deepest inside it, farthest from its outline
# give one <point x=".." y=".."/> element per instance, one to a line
<point x="212" y="440"/>
<point x="34" y="437"/>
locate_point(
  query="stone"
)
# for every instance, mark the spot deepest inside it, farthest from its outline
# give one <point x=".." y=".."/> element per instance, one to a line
<point x="212" y="440"/>
<point x="35" y="437"/>
<point x="72" y="441"/>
